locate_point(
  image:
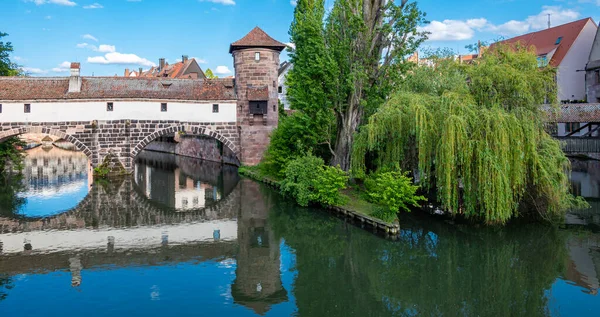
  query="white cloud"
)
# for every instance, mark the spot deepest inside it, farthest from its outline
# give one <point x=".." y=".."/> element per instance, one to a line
<point x="537" y="22"/>
<point x="120" y="58"/>
<point x="459" y="30"/>
<point x="62" y="68"/>
<point x="200" y="60"/>
<point x="103" y="48"/>
<point x="453" y="30"/>
<point x="48" y="17"/>
<point x="89" y="37"/>
<point x="33" y="70"/>
<point x="59" y="2"/>
<point x="295" y="2"/>
<point x="222" y="70"/>
<point x="291" y="45"/>
<point x="94" y="5"/>
<point x="18" y="58"/>
<point x="224" y="2"/>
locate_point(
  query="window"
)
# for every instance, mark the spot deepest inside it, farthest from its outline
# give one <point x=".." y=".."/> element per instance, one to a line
<point x="558" y="40"/>
<point x="257" y="56"/>
<point x="163" y="107"/>
<point x="215" y="108"/>
<point x="596" y="75"/>
<point x="542" y="61"/>
<point x="258" y="107"/>
<point x="109" y="106"/>
<point x="280" y="90"/>
<point x="571" y="126"/>
<point x="27" y="108"/>
<point x="0" y="108"/>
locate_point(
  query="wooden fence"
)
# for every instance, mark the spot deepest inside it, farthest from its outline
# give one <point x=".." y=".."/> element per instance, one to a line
<point x="580" y="145"/>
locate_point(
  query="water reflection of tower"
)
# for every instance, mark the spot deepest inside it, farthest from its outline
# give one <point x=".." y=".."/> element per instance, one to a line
<point x="258" y="279"/>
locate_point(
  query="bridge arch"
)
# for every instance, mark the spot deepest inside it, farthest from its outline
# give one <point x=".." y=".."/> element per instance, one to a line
<point x="193" y="130"/>
<point x="44" y="130"/>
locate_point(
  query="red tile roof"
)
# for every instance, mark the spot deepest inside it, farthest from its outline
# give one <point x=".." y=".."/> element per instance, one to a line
<point x="580" y="112"/>
<point x="258" y="93"/>
<point x="256" y="38"/>
<point x="32" y="88"/>
<point x="544" y="41"/>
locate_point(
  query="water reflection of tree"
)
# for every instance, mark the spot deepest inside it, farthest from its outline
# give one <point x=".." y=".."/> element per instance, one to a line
<point x="10" y="201"/>
<point x="5" y="285"/>
<point x="434" y="269"/>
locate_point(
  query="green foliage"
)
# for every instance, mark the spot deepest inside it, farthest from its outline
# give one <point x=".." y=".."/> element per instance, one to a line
<point x="7" y="68"/>
<point x="11" y="154"/>
<point x="475" y="135"/>
<point x="101" y="171"/>
<point x="392" y="190"/>
<point x="209" y="74"/>
<point x="308" y="180"/>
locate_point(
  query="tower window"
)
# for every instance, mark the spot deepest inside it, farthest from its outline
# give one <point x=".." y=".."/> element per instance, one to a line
<point x="27" y="108"/>
<point x="257" y="56"/>
<point x="258" y="107"/>
<point x="163" y="107"/>
<point x="215" y="108"/>
<point x="109" y="106"/>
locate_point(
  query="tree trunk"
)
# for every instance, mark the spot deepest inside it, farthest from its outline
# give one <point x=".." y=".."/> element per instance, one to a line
<point x="347" y="125"/>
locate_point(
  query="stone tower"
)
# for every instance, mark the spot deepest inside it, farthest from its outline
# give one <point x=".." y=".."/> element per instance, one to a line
<point x="256" y="62"/>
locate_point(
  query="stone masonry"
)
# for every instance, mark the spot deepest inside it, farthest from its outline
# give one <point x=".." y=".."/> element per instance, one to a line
<point x="122" y="139"/>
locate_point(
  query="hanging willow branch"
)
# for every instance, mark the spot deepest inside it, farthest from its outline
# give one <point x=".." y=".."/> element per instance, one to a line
<point x="478" y="135"/>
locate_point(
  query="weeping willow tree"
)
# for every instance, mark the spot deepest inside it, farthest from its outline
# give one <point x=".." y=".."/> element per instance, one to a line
<point x="475" y="136"/>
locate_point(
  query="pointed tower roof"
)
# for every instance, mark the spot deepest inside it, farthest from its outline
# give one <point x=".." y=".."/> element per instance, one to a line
<point x="256" y="38"/>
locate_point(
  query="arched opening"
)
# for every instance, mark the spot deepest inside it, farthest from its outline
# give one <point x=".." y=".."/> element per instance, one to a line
<point x="191" y="141"/>
<point x="55" y="175"/>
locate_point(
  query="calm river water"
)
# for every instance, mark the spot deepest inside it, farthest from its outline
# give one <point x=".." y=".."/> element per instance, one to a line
<point x="182" y="237"/>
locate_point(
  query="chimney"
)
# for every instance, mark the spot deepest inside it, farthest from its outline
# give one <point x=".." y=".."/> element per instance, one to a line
<point x="140" y="73"/>
<point x="75" y="79"/>
<point x="184" y="58"/>
<point x="161" y="63"/>
<point x="126" y="72"/>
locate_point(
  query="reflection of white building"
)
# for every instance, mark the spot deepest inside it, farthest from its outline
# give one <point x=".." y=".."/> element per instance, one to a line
<point x="190" y="194"/>
<point x="174" y="188"/>
<point x="54" y="167"/>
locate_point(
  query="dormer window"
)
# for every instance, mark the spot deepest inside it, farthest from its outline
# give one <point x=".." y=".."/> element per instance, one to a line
<point x="257" y="56"/>
<point x="558" y="40"/>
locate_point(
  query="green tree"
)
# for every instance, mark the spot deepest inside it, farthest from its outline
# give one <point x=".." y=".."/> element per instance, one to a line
<point x="344" y="67"/>
<point x="475" y="134"/>
<point x="7" y="67"/>
<point x="368" y="40"/>
<point x="209" y="74"/>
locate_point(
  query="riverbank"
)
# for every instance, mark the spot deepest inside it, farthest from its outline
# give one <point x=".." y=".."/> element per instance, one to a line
<point x="354" y="209"/>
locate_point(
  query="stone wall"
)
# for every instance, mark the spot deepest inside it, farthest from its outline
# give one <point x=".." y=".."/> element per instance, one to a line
<point x="122" y="140"/>
<point x="255" y="129"/>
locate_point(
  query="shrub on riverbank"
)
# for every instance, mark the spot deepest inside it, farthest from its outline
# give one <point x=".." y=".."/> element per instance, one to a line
<point x="392" y="191"/>
<point x="308" y="180"/>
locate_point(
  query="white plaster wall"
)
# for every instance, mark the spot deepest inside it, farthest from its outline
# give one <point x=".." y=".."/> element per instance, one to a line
<point x="571" y="83"/>
<point x="134" y="238"/>
<point x="282" y="83"/>
<point x="136" y="110"/>
<point x="595" y="53"/>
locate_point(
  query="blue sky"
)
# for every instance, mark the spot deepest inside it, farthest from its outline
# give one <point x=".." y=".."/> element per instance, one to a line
<point x="107" y="36"/>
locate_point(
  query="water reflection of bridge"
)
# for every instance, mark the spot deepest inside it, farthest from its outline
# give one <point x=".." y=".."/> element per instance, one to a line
<point x="116" y="226"/>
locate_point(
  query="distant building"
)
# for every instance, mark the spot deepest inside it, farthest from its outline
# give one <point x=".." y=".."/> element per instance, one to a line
<point x="566" y="47"/>
<point x="284" y="68"/>
<point x="188" y="68"/>
<point x="592" y="72"/>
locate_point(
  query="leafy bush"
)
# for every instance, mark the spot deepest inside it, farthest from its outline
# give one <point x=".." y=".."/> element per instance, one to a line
<point x="393" y="191"/>
<point x="101" y="171"/>
<point x="308" y="180"/>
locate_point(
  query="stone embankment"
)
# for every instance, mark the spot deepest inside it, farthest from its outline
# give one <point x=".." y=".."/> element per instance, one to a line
<point x="377" y="226"/>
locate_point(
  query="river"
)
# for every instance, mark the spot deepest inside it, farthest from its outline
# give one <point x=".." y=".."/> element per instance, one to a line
<point x="183" y="237"/>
